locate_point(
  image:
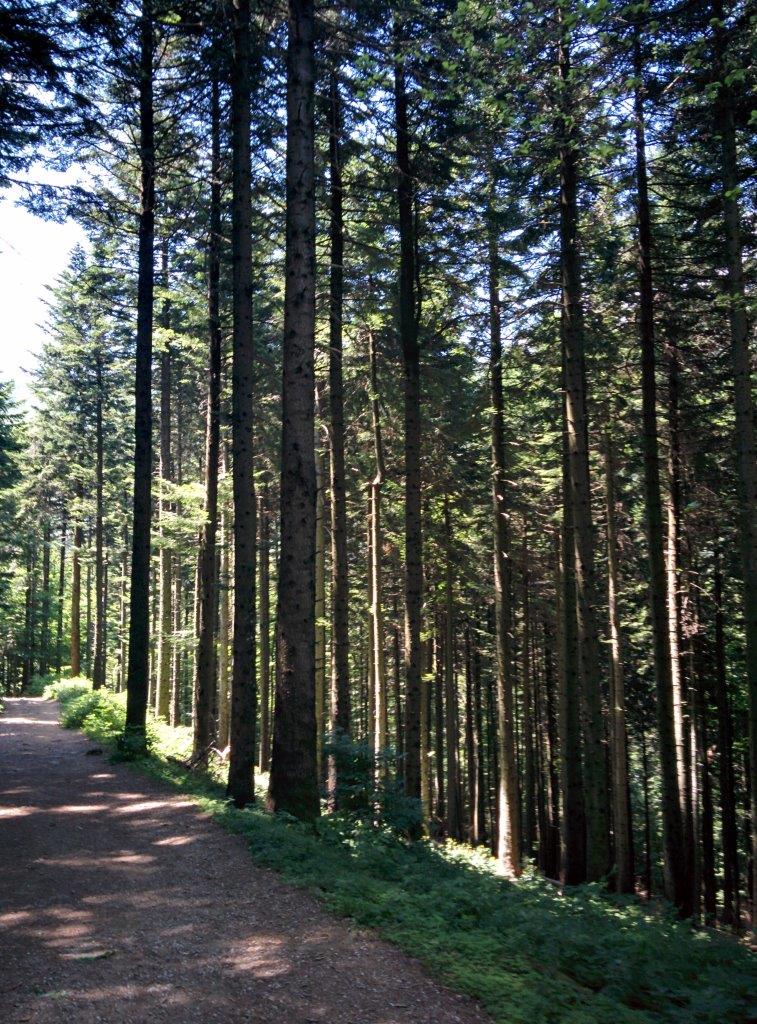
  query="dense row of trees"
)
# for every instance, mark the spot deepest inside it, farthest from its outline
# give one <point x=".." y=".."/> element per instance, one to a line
<point x="441" y="313"/>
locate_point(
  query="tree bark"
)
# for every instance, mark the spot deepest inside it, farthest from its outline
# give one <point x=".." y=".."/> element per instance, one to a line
<point x="139" y="598"/>
<point x="741" y="359"/>
<point x="320" y="608"/>
<point x="378" y="683"/>
<point x="61" y="595"/>
<point x="579" y="489"/>
<point x="44" y="653"/>
<point x="340" y="673"/>
<point x="573" y="822"/>
<point x="294" y="782"/>
<point x="265" y="629"/>
<point x="76" y="582"/>
<point x="408" y="332"/>
<point x="509" y="834"/>
<point x="98" y="674"/>
<point x="622" y="826"/>
<point x="165" y="618"/>
<point x="727" y="786"/>
<point x="205" y="657"/>
<point x="224" y="619"/>
<point x="677" y="884"/>
<point x="454" y="808"/>
<point x="529" y="719"/>
<point x="243" y="677"/>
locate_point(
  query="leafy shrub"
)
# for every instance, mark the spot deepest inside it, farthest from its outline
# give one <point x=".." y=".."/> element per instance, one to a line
<point x="359" y="795"/>
<point x="38" y="685"/>
<point x="66" y="690"/>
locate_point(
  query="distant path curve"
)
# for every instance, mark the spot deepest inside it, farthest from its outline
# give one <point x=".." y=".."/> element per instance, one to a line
<point x="120" y="902"/>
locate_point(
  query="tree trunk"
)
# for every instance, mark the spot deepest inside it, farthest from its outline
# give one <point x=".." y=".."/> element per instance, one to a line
<point x="741" y="359"/>
<point x="61" y="595"/>
<point x="573" y="823"/>
<point x="672" y="567"/>
<point x="529" y="739"/>
<point x="340" y="672"/>
<point x="378" y="682"/>
<point x="440" y="802"/>
<point x="454" y="808"/>
<point x="265" y="629"/>
<point x="165" y="619"/>
<point x="205" y="660"/>
<point x="472" y="744"/>
<point x="647" y="816"/>
<point x="320" y="609"/>
<point x="243" y="677"/>
<point x="44" y="654"/>
<point x="727" y="787"/>
<point x="508" y="840"/>
<point x="408" y="332"/>
<point x="139" y="598"/>
<point x="579" y="489"/>
<point x="98" y="674"/>
<point x="224" y="620"/>
<point x="677" y="884"/>
<point x="622" y="826"/>
<point x="76" y="582"/>
<point x="294" y="782"/>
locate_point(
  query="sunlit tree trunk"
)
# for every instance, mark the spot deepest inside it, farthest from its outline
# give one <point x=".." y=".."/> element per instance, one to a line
<point x="165" y="583"/>
<point x="76" y="582"/>
<point x="61" y="596"/>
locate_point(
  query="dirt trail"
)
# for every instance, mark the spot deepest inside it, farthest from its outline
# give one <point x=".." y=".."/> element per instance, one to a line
<point x="121" y="902"/>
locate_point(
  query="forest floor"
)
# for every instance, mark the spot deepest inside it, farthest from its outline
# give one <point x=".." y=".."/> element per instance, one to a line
<point x="120" y="901"/>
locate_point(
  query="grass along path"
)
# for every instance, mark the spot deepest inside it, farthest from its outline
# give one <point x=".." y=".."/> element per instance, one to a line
<point x="529" y="953"/>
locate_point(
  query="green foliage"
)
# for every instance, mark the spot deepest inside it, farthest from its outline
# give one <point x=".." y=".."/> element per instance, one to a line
<point x="66" y="690"/>
<point x="360" y="798"/>
<point x="40" y="685"/>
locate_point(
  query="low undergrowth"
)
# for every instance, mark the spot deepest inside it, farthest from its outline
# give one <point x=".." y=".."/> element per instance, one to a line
<point x="528" y="952"/>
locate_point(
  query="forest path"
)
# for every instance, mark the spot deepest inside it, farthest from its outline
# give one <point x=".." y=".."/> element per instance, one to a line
<point x="121" y="902"/>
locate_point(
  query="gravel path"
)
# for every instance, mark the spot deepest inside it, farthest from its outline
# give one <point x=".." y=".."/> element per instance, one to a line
<point x="121" y="902"/>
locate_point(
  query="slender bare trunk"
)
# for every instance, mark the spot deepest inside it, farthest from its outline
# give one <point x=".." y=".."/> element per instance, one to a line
<point x="265" y="629"/>
<point x="408" y="331"/>
<point x="624" y="880"/>
<point x="579" y="489"/>
<point x="205" y="659"/>
<point x="508" y="840"/>
<point x="677" y="884"/>
<point x="139" y="597"/>
<point x="243" y="679"/>
<point x="741" y="359"/>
